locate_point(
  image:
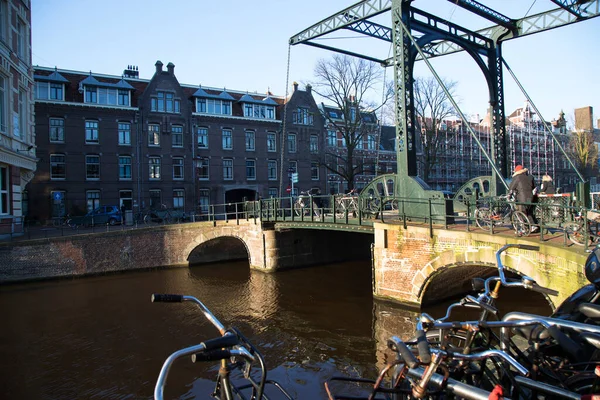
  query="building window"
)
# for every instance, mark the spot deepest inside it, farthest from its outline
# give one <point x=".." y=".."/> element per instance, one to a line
<point x="228" y="169"/>
<point x="293" y="166"/>
<point x="155" y="199"/>
<point x="202" y="138"/>
<point x="291" y="143"/>
<point x="371" y="142"/>
<point x="3" y="20"/>
<point x="331" y="138"/>
<point x="227" y="140"/>
<point x="124" y="134"/>
<point x="154" y="164"/>
<point x="57" y="166"/>
<point x="178" y="168"/>
<point x="272" y="170"/>
<point x="23" y="115"/>
<point x="92" y="198"/>
<point x="213" y="106"/>
<point x="48" y="90"/>
<point x="165" y="102"/>
<point x="92" y="167"/>
<point x="259" y="111"/>
<point x="91" y="132"/>
<point x="177" y="136"/>
<point x="124" y="97"/>
<point x="153" y="135"/>
<point x="178" y="199"/>
<point x="57" y="130"/>
<point x="271" y="142"/>
<point x="272" y="192"/>
<point x="251" y="169"/>
<point x="202" y="168"/>
<point x="314" y="170"/>
<point x="91" y="94"/>
<point x="21" y="39"/>
<point x="314" y="144"/>
<point x="250" y="141"/>
<point x="124" y="167"/>
<point x="4" y="199"/>
<point x="203" y="200"/>
<point x="302" y="117"/>
<point x="3" y="108"/>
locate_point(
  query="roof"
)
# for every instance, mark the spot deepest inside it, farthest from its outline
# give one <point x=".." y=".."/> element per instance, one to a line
<point x="53" y="77"/>
<point x="203" y="94"/>
<point x="249" y="99"/>
<point x="91" y="81"/>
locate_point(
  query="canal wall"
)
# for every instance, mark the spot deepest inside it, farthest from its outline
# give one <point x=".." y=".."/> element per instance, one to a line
<point x="266" y="249"/>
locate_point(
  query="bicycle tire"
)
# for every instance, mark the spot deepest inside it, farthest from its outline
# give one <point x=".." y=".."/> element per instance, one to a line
<point x="575" y="233"/>
<point x="373" y="205"/>
<point x="146" y="219"/>
<point x="483" y="218"/>
<point x="520" y="223"/>
<point x="298" y="209"/>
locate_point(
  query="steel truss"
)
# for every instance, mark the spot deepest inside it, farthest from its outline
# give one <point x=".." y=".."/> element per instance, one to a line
<point x="437" y="37"/>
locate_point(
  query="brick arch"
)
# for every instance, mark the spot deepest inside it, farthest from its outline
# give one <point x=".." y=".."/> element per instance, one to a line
<point x="518" y="261"/>
<point x="254" y="257"/>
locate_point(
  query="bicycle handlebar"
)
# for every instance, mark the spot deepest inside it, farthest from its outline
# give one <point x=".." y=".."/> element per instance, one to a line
<point x="177" y="298"/>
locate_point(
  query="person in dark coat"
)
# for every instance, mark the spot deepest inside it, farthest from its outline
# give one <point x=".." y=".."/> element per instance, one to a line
<point x="547" y="187"/>
<point x="523" y="185"/>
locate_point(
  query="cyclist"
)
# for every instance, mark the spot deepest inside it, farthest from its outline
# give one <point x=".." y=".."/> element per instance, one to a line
<point x="523" y="185"/>
<point x="547" y="187"/>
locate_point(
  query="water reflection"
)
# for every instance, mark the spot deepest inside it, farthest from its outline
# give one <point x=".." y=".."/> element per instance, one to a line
<point x="102" y="338"/>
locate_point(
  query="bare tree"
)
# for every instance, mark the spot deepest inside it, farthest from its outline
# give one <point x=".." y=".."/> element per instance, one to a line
<point x="432" y="107"/>
<point x="348" y="84"/>
<point x="583" y="150"/>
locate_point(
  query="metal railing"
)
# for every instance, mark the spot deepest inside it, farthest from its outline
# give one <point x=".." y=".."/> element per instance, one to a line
<point x="552" y="214"/>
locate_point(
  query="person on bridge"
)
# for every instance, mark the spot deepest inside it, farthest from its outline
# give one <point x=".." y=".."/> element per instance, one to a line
<point x="523" y="185"/>
<point x="547" y="187"/>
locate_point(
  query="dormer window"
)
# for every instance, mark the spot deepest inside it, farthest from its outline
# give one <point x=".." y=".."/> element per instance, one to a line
<point x="260" y="109"/>
<point x="213" y="106"/>
<point x="49" y="91"/>
<point x="105" y="93"/>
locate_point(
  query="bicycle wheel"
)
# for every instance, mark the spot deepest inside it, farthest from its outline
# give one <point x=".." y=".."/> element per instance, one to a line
<point x="146" y="218"/>
<point x="393" y="204"/>
<point x="520" y="223"/>
<point x="483" y="218"/>
<point x="575" y="233"/>
<point x="372" y="205"/>
<point x="298" y="208"/>
<point x="340" y="208"/>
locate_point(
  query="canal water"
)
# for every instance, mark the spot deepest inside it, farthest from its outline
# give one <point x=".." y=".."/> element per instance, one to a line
<point x="102" y="338"/>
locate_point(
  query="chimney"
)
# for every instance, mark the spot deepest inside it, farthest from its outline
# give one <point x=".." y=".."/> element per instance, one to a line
<point x="158" y="66"/>
<point x="598" y="123"/>
<point x="295" y="86"/>
<point x="309" y="88"/>
<point x="170" y="68"/>
<point x="131" y="72"/>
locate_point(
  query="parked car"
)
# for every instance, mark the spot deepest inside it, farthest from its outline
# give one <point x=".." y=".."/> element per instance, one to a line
<point x="100" y="216"/>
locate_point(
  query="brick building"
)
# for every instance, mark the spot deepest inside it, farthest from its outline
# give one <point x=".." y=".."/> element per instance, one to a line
<point x="17" y="136"/>
<point x="125" y="141"/>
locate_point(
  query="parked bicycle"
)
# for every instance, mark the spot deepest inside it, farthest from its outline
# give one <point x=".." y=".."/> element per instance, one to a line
<point x="63" y="221"/>
<point x="234" y="353"/>
<point x="583" y="226"/>
<point x="346" y="204"/>
<point x="305" y="204"/>
<point x="143" y="217"/>
<point x="501" y="212"/>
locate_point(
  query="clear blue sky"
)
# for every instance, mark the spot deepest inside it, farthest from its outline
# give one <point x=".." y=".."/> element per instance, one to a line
<point x="243" y="45"/>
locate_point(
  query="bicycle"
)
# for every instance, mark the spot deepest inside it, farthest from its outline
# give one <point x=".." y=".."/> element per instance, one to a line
<point x="346" y="204"/>
<point x="232" y="349"/>
<point x="504" y="212"/>
<point x="65" y="220"/>
<point x="576" y="230"/>
<point x="304" y="204"/>
<point x="143" y="217"/>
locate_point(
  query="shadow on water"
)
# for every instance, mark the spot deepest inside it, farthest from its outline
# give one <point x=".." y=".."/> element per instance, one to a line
<point x="101" y="337"/>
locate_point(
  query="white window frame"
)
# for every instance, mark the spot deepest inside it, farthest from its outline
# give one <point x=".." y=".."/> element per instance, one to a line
<point x="314" y="170"/>
<point x="92" y="132"/>
<point x="178" y="168"/>
<point x="154" y="168"/>
<point x="90" y="161"/>
<point x="55" y="160"/>
<point x="203" y="164"/>
<point x="153" y="135"/>
<point x="177" y="131"/>
<point x="124" y="129"/>
<point x="314" y="143"/>
<point x="4" y="191"/>
<point x="56" y="131"/>
<point x="292" y="143"/>
<point x="178" y="199"/>
<point x="125" y="168"/>
<point x="251" y="170"/>
<point x="202" y="137"/>
<point x="228" y="169"/>
<point x="227" y="139"/>
<point x="250" y="141"/>
<point x="272" y="170"/>
<point x="271" y="142"/>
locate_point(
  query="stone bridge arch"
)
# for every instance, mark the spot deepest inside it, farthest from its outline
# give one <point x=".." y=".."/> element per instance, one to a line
<point x="407" y="262"/>
<point x="229" y="240"/>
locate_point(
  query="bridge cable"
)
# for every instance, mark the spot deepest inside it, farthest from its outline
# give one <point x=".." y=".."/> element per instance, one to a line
<point x="285" y="106"/>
